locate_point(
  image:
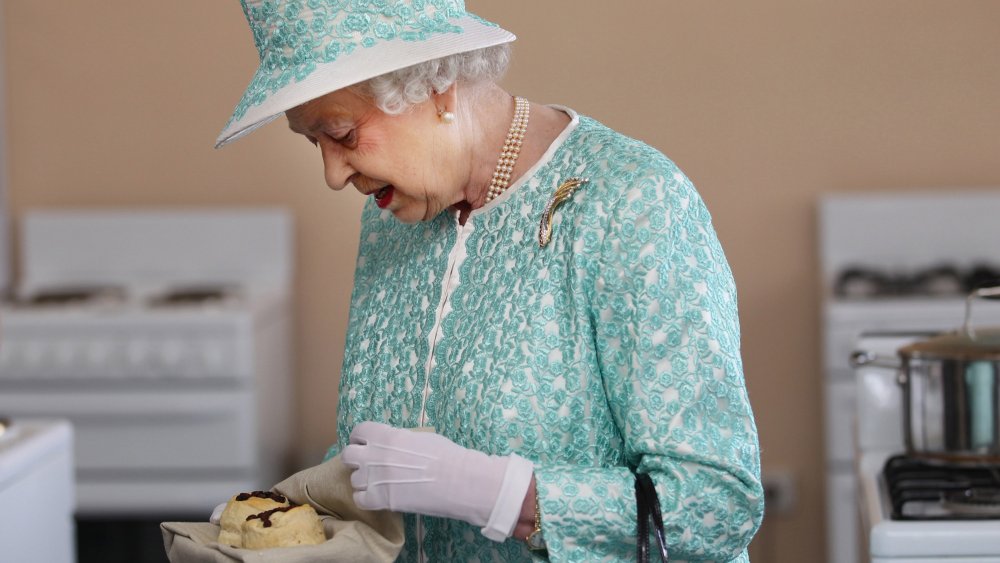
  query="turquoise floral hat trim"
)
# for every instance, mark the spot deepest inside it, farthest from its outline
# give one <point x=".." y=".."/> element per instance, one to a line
<point x="309" y="48"/>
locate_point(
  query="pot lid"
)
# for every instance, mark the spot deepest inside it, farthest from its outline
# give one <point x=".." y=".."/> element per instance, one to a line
<point x="983" y="344"/>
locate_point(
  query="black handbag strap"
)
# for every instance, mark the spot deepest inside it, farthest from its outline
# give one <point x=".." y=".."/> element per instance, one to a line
<point x="648" y="507"/>
<point x="642" y="524"/>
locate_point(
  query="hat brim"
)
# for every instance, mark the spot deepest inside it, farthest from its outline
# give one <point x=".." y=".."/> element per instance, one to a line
<point x="360" y="65"/>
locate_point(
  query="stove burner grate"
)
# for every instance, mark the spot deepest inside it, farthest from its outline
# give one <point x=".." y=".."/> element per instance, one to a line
<point x="941" y="280"/>
<point x="930" y="489"/>
<point x="187" y="296"/>
<point x="73" y="295"/>
<point x="983" y="501"/>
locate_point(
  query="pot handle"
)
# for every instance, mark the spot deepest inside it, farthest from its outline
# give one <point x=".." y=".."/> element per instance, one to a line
<point x="864" y="358"/>
<point x="981" y="293"/>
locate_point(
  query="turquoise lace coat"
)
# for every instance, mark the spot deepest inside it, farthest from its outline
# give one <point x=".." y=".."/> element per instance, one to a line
<point x="615" y="346"/>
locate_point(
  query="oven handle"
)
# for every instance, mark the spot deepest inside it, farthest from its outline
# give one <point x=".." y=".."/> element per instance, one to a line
<point x="992" y="292"/>
<point x="133" y="408"/>
<point x="116" y="419"/>
<point x="864" y="358"/>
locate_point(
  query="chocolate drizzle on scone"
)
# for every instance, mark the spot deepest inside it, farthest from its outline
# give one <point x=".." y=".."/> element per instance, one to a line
<point x="262" y="494"/>
<point x="265" y="516"/>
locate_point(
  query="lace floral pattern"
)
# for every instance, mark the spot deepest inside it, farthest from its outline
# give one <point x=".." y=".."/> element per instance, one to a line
<point x="293" y="36"/>
<point x="616" y="346"/>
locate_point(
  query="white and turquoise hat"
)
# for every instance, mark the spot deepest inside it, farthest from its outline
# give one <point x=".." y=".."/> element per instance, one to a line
<point x="309" y="48"/>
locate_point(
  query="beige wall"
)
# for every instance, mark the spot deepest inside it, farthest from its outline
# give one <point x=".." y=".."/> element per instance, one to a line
<point x="766" y="105"/>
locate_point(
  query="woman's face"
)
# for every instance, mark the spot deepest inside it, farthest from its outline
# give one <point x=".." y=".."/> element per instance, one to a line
<point x="408" y="163"/>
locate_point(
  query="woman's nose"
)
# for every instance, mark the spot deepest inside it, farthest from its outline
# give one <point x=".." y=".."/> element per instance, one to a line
<point x="335" y="167"/>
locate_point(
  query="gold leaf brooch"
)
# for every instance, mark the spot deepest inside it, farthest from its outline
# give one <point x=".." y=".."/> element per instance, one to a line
<point x="563" y="192"/>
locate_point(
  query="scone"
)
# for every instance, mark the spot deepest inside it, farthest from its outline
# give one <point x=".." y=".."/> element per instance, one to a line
<point x="242" y="506"/>
<point x="283" y="527"/>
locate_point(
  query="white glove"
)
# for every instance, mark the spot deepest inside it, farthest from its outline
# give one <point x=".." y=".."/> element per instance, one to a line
<point x="426" y="473"/>
<point x="216" y="516"/>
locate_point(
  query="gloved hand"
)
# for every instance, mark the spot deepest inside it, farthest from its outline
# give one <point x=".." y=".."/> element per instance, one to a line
<point x="216" y="516"/>
<point x="426" y="473"/>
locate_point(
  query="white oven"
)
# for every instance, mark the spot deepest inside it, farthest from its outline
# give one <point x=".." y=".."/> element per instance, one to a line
<point x="163" y="336"/>
<point x="914" y="510"/>
<point x="891" y="262"/>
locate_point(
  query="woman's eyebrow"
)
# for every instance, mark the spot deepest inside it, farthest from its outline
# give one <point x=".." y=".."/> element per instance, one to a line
<point x="319" y="122"/>
<point x="292" y="124"/>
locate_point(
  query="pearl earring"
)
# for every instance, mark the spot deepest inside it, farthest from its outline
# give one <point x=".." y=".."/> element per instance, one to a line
<point x="446" y="117"/>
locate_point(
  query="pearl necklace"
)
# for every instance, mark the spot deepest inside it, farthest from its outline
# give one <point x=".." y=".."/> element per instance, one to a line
<point x="511" y="149"/>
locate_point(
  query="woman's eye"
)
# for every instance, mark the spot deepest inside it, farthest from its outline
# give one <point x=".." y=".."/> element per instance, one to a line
<point x="345" y="138"/>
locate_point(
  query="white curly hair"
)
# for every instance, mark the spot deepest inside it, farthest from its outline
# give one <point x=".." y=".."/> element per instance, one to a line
<point x="397" y="91"/>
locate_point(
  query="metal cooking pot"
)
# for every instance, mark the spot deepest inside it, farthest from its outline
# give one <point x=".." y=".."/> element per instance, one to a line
<point x="951" y="389"/>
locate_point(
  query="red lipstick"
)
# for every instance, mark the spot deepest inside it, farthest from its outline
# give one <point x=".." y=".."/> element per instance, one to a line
<point x="383" y="197"/>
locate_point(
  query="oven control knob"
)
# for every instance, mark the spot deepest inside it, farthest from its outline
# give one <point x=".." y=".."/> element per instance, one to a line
<point x="69" y="357"/>
<point x="33" y="359"/>
<point x="138" y="356"/>
<point x="213" y="357"/>
<point x="186" y="362"/>
<point x="107" y="358"/>
<point x="97" y="356"/>
<point x="170" y="357"/>
<point x="8" y="359"/>
<point x="12" y="359"/>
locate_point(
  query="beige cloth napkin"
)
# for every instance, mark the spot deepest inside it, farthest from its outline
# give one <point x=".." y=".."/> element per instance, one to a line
<point x="353" y="535"/>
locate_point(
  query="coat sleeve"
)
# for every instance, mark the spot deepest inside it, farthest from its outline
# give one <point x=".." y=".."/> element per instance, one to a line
<point x="667" y="337"/>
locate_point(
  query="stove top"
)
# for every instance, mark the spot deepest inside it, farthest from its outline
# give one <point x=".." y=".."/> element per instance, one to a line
<point x="931" y="489"/>
<point x="934" y="540"/>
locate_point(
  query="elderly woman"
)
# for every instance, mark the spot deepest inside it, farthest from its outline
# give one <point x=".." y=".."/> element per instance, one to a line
<point x="546" y="294"/>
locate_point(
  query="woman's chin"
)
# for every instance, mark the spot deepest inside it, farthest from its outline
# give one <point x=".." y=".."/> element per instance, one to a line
<point x="406" y="215"/>
<point x="411" y="211"/>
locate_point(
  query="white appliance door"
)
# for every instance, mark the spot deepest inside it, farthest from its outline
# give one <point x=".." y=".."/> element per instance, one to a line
<point x="36" y="478"/>
<point x="162" y="429"/>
